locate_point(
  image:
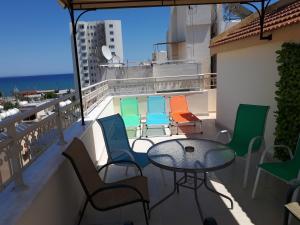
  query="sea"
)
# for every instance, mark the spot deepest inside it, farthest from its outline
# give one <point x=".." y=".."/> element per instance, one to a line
<point x="36" y="82"/>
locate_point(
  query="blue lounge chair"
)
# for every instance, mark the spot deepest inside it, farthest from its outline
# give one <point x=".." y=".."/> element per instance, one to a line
<point x="156" y="113"/>
<point x="117" y="144"/>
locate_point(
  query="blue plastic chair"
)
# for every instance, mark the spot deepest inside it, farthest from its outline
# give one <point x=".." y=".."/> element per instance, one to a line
<point x="117" y="144"/>
<point x="156" y="112"/>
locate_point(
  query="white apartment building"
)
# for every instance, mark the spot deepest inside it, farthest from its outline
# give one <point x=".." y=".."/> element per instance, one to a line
<point x="191" y="29"/>
<point x="91" y="36"/>
<point x="189" y="35"/>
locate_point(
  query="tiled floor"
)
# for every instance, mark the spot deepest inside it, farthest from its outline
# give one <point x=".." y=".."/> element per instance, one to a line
<point x="180" y="209"/>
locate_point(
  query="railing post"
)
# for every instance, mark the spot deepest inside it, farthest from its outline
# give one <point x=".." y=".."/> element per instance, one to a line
<point x="59" y="125"/>
<point x="15" y="157"/>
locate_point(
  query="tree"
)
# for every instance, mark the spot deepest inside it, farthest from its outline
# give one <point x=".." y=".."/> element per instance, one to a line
<point x="287" y="98"/>
<point x="50" y="95"/>
<point x="8" y="105"/>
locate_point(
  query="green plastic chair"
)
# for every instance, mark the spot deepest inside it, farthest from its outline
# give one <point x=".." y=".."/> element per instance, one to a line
<point x="287" y="171"/>
<point x="248" y="134"/>
<point x="130" y="112"/>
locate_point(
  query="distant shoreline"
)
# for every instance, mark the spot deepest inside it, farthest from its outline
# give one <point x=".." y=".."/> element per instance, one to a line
<point x="36" y="75"/>
<point x="8" y="85"/>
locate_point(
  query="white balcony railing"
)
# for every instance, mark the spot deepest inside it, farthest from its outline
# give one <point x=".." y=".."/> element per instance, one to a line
<point x="94" y="94"/>
<point x="22" y="141"/>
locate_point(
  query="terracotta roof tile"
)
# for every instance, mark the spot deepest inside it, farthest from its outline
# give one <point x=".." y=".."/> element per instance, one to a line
<point x="276" y="19"/>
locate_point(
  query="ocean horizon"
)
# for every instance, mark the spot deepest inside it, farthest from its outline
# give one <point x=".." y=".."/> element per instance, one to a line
<point x="36" y="82"/>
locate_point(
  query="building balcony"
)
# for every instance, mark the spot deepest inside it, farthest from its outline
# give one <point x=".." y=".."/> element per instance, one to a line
<point x="38" y="186"/>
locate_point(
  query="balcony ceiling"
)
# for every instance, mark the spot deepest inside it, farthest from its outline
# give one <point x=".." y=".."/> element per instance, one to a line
<point x="110" y="4"/>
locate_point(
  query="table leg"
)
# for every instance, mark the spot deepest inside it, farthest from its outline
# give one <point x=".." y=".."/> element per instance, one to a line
<point x="216" y="192"/>
<point x="166" y="197"/>
<point x="196" y="197"/>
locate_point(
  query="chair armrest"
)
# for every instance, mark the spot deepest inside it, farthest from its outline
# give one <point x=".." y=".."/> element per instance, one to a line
<point x="140" y="139"/>
<point x="120" y="162"/>
<point x="293" y="185"/>
<point x="116" y="186"/>
<point x="273" y="147"/>
<point x="223" y="132"/>
<point x="127" y="152"/>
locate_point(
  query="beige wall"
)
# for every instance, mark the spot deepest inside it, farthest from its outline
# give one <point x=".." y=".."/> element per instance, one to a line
<point x="247" y="76"/>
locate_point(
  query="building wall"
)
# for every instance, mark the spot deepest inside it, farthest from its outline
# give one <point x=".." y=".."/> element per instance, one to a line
<point x="114" y="39"/>
<point x="248" y="76"/>
<point x="190" y="27"/>
<point x="91" y="36"/>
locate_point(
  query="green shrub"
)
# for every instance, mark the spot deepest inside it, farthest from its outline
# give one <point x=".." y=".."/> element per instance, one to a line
<point x="50" y="95"/>
<point x="8" y="105"/>
<point x="288" y="98"/>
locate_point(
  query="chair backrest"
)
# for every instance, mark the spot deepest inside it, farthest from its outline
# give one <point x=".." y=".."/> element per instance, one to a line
<point x="129" y="106"/>
<point x="178" y="104"/>
<point x="83" y="166"/>
<point x="115" y="135"/>
<point x="249" y="123"/>
<point x="156" y="104"/>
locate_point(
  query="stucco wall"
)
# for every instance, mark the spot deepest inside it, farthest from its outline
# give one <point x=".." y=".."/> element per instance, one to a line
<point x="247" y="75"/>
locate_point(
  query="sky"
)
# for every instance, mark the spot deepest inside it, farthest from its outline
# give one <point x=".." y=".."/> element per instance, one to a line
<point x="35" y="35"/>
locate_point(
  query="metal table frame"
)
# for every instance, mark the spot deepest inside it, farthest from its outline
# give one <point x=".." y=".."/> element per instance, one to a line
<point x="197" y="182"/>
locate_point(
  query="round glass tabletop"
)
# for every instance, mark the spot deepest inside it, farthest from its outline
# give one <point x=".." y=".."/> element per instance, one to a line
<point x="191" y="155"/>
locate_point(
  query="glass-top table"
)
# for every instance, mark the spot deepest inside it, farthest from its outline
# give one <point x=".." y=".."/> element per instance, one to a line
<point x="191" y="157"/>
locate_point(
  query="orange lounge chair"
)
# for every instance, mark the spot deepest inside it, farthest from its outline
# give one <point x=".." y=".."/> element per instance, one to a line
<point x="180" y="113"/>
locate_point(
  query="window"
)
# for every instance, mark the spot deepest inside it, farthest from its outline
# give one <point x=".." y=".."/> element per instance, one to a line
<point x="83" y="54"/>
<point x="81" y="33"/>
<point x="86" y="81"/>
<point x="111" y="25"/>
<point x="81" y="26"/>
<point x="111" y="46"/>
<point x="113" y="53"/>
<point x="86" y="74"/>
<point x="82" y="40"/>
<point x="84" y="61"/>
<point x="112" y="39"/>
<point x="83" y="47"/>
<point x="85" y="68"/>
<point x="111" y="32"/>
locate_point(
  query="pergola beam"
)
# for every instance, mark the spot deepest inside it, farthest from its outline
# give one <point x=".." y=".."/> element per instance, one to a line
<point x="111" y="4"/>
<point x="90" y="5"/>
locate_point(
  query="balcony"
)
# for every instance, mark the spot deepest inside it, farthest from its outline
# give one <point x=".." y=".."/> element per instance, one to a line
<point x="40" y="187"/>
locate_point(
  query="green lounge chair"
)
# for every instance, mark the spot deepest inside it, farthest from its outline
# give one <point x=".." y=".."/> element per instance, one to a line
<point x="287" y="171"/>
<point x="248" y="134"/>
<point x="130" y="112"/>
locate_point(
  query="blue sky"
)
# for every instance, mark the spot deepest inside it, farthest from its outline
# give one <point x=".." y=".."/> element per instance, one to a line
<point x="35" y="36"/>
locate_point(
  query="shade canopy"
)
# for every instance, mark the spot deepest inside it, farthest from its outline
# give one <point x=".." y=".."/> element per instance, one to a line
<point x="111" y="4"/>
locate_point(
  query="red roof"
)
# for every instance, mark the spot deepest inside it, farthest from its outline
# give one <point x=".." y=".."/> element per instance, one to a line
<point x="274" y="20"/>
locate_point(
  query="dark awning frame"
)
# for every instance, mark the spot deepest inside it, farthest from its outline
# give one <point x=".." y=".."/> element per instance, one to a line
<point x="91" y="5"/>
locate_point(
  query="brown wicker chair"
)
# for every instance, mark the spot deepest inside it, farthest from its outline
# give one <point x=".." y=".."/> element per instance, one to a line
<point x="104" y="196"/>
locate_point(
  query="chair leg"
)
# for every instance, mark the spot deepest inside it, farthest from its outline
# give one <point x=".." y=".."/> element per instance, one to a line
<point x="145" y="212"/>
<point x="105" y="174"/>
<point x="163" y="176"/>
<point x="82" y="212"/>
<point x="247" y="170"/>
<point x="256" y="183"/>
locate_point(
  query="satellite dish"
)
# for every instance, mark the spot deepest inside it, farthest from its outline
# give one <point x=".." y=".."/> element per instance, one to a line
<point x="106" y="52"/>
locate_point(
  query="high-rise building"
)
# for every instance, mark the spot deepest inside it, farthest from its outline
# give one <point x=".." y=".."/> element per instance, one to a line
<point x="91" y="36"/>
